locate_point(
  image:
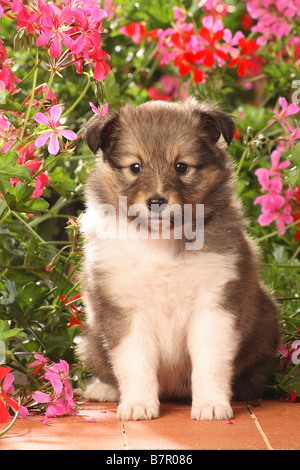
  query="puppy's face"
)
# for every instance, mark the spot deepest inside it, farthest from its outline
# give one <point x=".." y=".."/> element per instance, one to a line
<point x="160" y="154"/>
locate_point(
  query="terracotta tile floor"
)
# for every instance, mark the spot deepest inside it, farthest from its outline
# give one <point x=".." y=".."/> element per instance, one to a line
<point x="272" y="425"/>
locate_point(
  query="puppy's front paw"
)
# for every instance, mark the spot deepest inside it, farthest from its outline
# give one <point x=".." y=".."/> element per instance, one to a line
<point x="212" y="411"/>
<point x="137" y="411"/>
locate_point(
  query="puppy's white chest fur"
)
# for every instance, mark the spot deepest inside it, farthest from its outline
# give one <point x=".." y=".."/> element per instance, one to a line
<point x="167" y="298"/>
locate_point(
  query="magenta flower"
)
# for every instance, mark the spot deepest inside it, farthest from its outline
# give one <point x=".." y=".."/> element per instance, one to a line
<point x="274" y="207"/>
<point x="275" y="202"/>
<point x="52" y="121"/>
<point x="60" y="401"/>
<point x="98" y="111"/>
<point x="41" y="360"/>
<point x="89" y="25"/>
<point x="55" y="407"/>
<point x="273" y="18"/>
<point x="270" y="180"/>
<point x="287" y="110"/>
<point x="54" y="28"/>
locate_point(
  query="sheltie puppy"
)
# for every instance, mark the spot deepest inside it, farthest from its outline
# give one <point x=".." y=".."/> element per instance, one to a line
<point x="175" y="306"/>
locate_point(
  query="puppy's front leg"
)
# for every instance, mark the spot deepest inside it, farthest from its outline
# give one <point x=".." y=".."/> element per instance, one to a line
<point x="135" y="365"/>
<point x="212" y="345"/>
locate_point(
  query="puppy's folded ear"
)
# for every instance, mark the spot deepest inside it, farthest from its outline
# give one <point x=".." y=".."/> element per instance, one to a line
<point x="98" y="132"/>
<point x="214" y="122"/>
<point x="218" y="123"/>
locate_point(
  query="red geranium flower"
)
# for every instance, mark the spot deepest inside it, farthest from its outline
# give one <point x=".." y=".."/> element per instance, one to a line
<point x="6" y="74"/>
<point x="75" y="319"/>
<point x="136" y="31"/>
<point x="212" y="48"/>
<point x="186" y="63"/>
<point x="4" y="414"/>
<point x="243" y="61"/>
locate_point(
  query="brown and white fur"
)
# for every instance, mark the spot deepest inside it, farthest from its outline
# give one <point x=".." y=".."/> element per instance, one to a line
<point x="163" y="321"/>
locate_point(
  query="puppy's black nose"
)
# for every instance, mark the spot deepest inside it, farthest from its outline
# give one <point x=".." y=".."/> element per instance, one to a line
<point x="155" y="203"/>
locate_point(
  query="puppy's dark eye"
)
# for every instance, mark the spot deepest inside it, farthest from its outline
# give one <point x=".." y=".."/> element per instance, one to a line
<point x="135" y="168"/>
<point x="181" y="168"/>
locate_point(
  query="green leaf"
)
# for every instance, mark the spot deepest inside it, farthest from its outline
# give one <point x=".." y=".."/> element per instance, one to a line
<point x="9" y="295"/>
<point x="31" y="295"/>
<point x="18" y="199"/>
<point x="10" y="105"/>
<point x="292" y="385"/>
<point x="10" y="169"/>
<point x="6" y="333"/>
<point x="33" y="257"/>
<point x="35" y="206"/>
<point x="61" y="181"/>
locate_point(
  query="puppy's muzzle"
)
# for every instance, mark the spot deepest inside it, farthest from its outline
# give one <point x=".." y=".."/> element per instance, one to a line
<point x="157" y="204"/>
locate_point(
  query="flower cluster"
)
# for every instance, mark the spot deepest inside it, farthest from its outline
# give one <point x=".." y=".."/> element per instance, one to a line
<point x="196" y="51"/>
<point x="60" y="400"/>
<point x="57" y="399"/>
<point x="70" y="32"/>
<point x="290" y="354"/>
<point x="75" y="25"/>
<point x="274" y="19"/>
<point x="28" y="155"/>
<point x="279" y="200"/>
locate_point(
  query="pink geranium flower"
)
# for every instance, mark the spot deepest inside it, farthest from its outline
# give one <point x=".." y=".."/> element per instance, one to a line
<point x="274" y="207"/>
<point x="89" y="25"/>
<point x="52" y="121"/>
<point x="41" y="360"/>
<point x="287" y="110"/>
<point x="54" y="28"/>
<point x="98" y="111"/>
<point x="270" y="180"/>
<point x="60" y="401"/>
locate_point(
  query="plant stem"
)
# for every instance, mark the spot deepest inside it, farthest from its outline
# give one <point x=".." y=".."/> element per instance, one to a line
<point x="241" y="162"/>
<point x="7" y="213"/>
<point x="28" y="227"/>
<point x="78" y="99"/>
<point x="60" y="203"/>
<point x="295" y="254"/>
<point x="13" y="421"/>
<point x="32" y="95"/>
<point x="293" y="266"/>
<point x="18" y="85"/>
<point x="52" y="74"/>
<point x="272" y="234"/>
<point x="286" y="378"/>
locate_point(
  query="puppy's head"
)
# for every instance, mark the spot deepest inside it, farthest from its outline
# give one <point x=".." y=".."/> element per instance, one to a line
<point x="160" y="154"/>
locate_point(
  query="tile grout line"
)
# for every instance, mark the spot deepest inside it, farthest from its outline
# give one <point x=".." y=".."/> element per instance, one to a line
<point x="260" y="430"/>
<point x="124" y="436"/>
